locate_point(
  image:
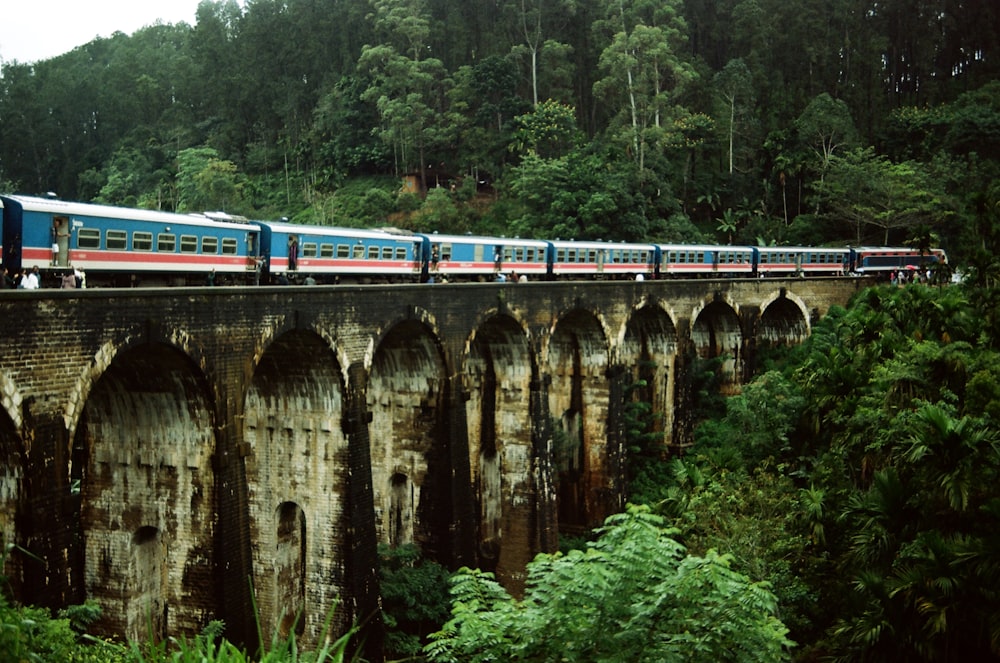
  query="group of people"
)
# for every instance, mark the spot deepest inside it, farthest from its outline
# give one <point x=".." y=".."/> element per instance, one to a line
<point x="513" y="278"/>
<point x="32" y="279"/>
<point x="22" y="280"/>
<point x="909" y="275"/>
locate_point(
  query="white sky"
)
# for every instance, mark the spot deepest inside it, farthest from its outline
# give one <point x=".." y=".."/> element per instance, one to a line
<point x="32" y="30"/>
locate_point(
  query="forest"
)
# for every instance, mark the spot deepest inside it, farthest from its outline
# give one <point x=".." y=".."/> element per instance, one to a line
<point x="747" y="121"/>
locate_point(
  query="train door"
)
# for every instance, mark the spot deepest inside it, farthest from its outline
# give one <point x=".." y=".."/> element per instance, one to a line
<point x="13" y="222"/>
<point x="60" y="241"/>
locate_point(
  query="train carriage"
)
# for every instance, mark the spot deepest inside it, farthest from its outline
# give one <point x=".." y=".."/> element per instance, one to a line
<point x="333" y="254"/>
<point x="686" y="260"/>
<point x="608" y="260"/>
<point x="802" y="261"/>
<point x="117" y="246"/>
<point x="886" y="259"/>
<point x="468" y="257"/>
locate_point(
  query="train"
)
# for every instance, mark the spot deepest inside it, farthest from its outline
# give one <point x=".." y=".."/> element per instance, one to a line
<point x="120" y="247"/>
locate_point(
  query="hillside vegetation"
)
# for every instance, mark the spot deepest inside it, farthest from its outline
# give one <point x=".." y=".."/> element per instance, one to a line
<point x="743" y="120"/>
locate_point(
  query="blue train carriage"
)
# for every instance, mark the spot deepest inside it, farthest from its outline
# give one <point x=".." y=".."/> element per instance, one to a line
<point x="698" y="260"/>
<point x="883" y="260"/>
<point x="117" y="246"/>
<point x="802" y="261"/>
<point x="337" y="255"/>
<point x="475" y="258"/>
<point x="585" y="259"/>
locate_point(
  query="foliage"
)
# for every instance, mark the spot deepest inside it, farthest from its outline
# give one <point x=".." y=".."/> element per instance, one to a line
<point x="635" y="596"/>
<point x="864" y="189"/>
<point x="900" y="388"/>
<point x="414" y="598"/>
<point x="207" y="183"/>
<point x="32" y="635"/>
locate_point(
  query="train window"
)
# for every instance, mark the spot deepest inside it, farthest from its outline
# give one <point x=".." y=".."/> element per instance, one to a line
<point x="373" y="253"/>
<point x="386" y="253"/>
<point x="229" y="246"/>
<point x="358" y="252"/>
<point x="509" y="254"/>
<point x="89" y="238"/>
<point x="210" y="245"/>
<point x="343" y="251"/>
<point x="446" y="252"/>
<point x="142" y="241"/>
<point x="326" y="250"/>
<point x="166" y="243"/>
<point x="561" y="255"/>
<point x="400" y="253"/>
<point x="189" y="244"/>
<point x="115" y="240"/>
<point x="309" y="249"/>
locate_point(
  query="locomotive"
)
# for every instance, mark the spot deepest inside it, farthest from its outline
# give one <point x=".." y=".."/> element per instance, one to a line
<point x="120" y="247"/>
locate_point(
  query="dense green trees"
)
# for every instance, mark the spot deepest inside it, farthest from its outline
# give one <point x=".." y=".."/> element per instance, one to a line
<point x="632" y="595"/>
<point x="728" y="114"/>
<point x="860" y="480"/>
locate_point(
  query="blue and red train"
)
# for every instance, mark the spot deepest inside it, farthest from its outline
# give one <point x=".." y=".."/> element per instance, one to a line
<point x="129" y="247"/>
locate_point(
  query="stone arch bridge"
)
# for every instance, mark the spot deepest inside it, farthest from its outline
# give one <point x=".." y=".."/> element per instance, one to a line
<point x="168" y="452"/>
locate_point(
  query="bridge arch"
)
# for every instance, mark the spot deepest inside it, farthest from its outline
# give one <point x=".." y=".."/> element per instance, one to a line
<point x="148" y="508"/>
<point x="11" y="490"/>
<point x="406" y="400"/>
<point x="784" y="320"/>
<point x="498" y="372"/>
<point x="648" y="350"/>
<point x="296" y="475"/>
<point x="578" y="361"/>
<point x="716" y="334"/>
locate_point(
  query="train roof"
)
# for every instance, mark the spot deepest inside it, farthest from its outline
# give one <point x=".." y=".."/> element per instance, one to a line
<point x="702" y="247"/>
<point x="483" y="239"/>
<point x="328" y="231"/>
<point x="69" y="208"/>
<point x="805" y="249"/>
<point x="599" y="244"/>
<point x="894" y="249"/>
